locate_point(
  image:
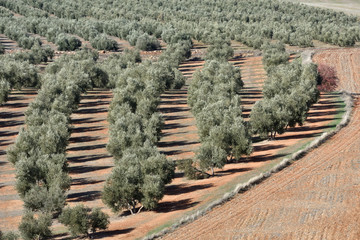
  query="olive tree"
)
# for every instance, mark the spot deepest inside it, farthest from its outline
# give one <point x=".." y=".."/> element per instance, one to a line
<point x="32" y="227"/>
<point x="81" y="219"/>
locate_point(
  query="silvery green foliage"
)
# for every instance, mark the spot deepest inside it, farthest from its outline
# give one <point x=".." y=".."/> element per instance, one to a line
<point x="215" y="101"/>
<point x="289" y="92"/>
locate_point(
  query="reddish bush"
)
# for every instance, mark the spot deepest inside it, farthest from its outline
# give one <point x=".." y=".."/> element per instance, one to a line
<point x="328" y="80"/>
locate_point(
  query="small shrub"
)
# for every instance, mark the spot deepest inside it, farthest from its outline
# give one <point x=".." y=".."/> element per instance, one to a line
<point x="328" y="80"/>
<point x="4" y="91"/>
<point x="32" y="227"/>
<point x="103" y="42"/>
<point x="80" y="219"/>
<point x="2" y="49"/>
<point x="147" y="43"/>
<point x="28" y="42"/>
<point x="9" y="236"/>
<point x="67" y="43"/>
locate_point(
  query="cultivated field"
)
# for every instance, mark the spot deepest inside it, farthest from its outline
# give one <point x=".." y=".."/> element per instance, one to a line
<point x="315" y="198"/>
<point x="90" y="163"/>
<point x="347" y="6"/>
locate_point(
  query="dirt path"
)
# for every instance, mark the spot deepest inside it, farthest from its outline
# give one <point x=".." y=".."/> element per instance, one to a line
<point x="9" y="44"/>
<point x="89" y="162"/>
<point x="315" y="198"/>
<point x="11" y="120"/>
<point x="180" y="139"/>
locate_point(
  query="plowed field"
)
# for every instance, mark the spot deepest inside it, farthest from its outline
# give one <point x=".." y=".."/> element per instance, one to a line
<point x="315" y="198"/>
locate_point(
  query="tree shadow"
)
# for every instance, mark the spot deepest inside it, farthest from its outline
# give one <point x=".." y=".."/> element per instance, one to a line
<point x="83" y="148"/>
<point x="172" y="96"/>
<point x="172" y="118"/>
<point x="7" y="134"/>
<point x="176" y="102"/>
<point x="87" y="158"/>
<point x="111" y="233"/>
<point x="231" y="171"/>
<point x="85" y="181"/>
<point x="4" y="115"/>
<point x="83" y="139"/>
<point x="179" y="175"/>
<point x="4" y="143"/>
<point x="298" y="136"/>
<point x="84" y="196"/>
<point x="327" y="113"/>
<point x="326" y="106"/>
<point x="310" y="128"/>
<point x="85" y="120"/>
<point x="91" y="111"/>
<point x="11" y="123"/>
<point x="173" y="152"/>
<point x="184" y="188"/>
<point x="173" y="109"/>
<point x="95" y="96"/>
<point x="175" y="143"/>
<point x="86" y="169"/>
<point x="261" y="158"/>
<point x="16" y="105"/>
<point x="173" y="125"/>
<point x="172" y="133"/>
<point x="171" y="206"/>
<point x="315" y="120"/>
<point x="94" y="104"/>
<point x="267" y="147"/>
<point x="87" y="129"/>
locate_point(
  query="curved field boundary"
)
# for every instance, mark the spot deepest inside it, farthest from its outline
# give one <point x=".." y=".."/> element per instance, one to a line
<point x="347" y="98"/>
<point x="315" y="198"/>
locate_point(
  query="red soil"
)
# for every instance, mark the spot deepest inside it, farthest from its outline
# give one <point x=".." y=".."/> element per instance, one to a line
<point x="315" y="198"/>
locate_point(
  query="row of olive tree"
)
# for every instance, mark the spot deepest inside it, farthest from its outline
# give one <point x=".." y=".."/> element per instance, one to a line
<point x="249" y="21"/>
<point x="15" y="75"/>
<point x="140" y="172"/>
<point x="215" y="101"/>
<point x="289" y="92"/>
<point x="39" y="152"/>
<point x="36" y="55"/>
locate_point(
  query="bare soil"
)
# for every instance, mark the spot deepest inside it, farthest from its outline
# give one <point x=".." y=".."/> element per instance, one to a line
<point x="315" y="198"/>
<point x="11" y="120"/>
<point x="9" y="45"/>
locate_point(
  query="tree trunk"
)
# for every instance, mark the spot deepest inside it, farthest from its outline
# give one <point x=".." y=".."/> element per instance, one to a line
<point x="140" y="209"/>
<point x="130" y="208"/>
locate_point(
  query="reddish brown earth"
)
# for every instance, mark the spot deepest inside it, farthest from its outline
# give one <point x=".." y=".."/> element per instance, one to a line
<point x="11" y="119"/>
<point x="315" y="198"/>
<point x="90" y="164"/>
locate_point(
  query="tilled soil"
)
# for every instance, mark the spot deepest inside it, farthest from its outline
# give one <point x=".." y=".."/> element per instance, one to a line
<point x="11" y="120"/>
<point x="315" y="198"/>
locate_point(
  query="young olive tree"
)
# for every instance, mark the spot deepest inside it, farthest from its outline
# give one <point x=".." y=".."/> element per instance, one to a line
<point x="81" y="219"/>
